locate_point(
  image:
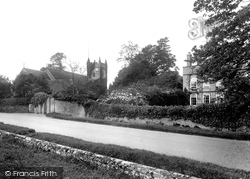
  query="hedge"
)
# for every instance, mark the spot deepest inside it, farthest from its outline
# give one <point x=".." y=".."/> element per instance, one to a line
<point x="212" y="115"/>
<point x="15" y="101"/>
<point x="15" y="109"/>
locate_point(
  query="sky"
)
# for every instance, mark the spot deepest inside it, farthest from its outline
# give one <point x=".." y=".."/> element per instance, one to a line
<point x="31" y="31"/>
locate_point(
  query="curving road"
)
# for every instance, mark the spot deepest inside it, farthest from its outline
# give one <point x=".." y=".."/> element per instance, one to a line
<point x="224" y="152"/>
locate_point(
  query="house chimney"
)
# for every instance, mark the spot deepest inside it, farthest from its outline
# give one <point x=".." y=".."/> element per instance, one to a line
<point x="189" y="59"/>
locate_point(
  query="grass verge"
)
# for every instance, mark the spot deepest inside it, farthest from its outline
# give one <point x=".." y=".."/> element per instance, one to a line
<point x="177" y="164"/>
<point x="173" y="129"/>
<point x="13" y="154"/>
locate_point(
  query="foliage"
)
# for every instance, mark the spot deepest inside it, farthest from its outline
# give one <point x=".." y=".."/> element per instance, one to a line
<point x="124" y="96"/>
<point x="159" y="97"/>
<point x="94" y="88"/>
<point x="226" y="55"/>
<point x="213" y="115"/>
<point x="5" y="87"/>
<point x="80" y="99"/>
<point x="27" y="85"/>
<point x="151" y="61"/>
<point x="15" y="101"/>
<point x="14" y="109"/>
<point x="128" y="52"/>
<point x="39" y="98"/>
<point x="57" y="61"/>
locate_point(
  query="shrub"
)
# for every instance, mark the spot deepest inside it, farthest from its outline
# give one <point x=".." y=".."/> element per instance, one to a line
<point x="213" y="115"/>
<point x="14" y="109"/>
<point x="125" y="96"/>
<point x="15" y="101"/>
<point x="156" y="96"/>
<point x="39" y="98"/>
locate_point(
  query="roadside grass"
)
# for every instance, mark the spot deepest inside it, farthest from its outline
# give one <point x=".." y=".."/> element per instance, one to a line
<point x="17" y="130"/>
<point x="162" y="128"/>
<point x="13" y="154"/>
<point x="170" y="163"/>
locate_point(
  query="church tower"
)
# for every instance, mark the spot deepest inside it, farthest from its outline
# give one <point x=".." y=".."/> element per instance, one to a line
<point x="98" y="72"/>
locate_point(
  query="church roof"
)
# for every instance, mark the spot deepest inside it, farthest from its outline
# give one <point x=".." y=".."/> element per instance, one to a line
<point x="55" y="74"/>
<point x="65" y="75"/>
<point x="34" y="72"/>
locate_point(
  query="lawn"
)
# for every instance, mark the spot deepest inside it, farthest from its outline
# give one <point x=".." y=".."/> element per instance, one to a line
<point x="173" y="129"/>
<point x="177" y="164"/>
<point x="13" y="154"/>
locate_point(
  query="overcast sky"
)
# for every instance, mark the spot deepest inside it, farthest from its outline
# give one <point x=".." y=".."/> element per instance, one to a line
<point x="31" y="31"/>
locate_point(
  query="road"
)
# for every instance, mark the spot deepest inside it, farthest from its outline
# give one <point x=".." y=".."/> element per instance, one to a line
<point x="224" y="152"/>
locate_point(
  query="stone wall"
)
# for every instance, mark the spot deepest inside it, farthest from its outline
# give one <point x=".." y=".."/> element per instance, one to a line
<point x="130" y="168"/>
<point x="55" y="106"/>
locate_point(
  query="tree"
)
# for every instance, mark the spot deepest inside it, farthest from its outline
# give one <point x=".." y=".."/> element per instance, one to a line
<point x="57" y="61"/>
<point x="74" y="67"/>
<point x="27" y="85"/>
<point x="225" y="57"/>
<point x="163" y="60"/>
<point x="5" y="87"/>
<point x="128" y="52"/>
<point x="152" y="61"/>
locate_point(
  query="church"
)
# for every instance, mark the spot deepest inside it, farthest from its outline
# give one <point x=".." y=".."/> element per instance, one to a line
<point x="60" y="80"/>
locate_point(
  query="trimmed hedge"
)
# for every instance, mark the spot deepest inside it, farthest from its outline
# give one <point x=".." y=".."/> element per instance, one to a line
<point x="213" y="115"/>
<point x="15" y="101"/>
<point x="14" y="109"/>
<point x="39" y="98"/>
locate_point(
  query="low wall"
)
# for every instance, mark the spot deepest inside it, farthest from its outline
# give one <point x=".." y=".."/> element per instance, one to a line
<point x="55" y="106"/>
<point x="130" y="168"/>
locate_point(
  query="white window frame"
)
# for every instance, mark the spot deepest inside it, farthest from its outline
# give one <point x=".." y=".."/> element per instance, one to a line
<point x="193" y="87"/>
<point x="193" y="96"/>
<point x="209" y="98"/>
<point x="206" y="86"/>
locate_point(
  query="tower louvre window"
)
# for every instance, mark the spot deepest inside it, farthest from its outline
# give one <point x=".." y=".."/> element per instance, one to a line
<point x="93" y="74"/>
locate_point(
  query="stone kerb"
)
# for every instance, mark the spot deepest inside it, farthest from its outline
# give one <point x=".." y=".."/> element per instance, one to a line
<point x="130" y="168"/>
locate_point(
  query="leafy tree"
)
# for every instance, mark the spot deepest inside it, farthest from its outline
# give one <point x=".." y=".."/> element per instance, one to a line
<point x="151" y="61"/>
<point x="128" y="52"/>
<point x="5" y="87"/>
<point x="57" y="61"/>
<point x="226" y="55"/>
<point x="27" y="85"/>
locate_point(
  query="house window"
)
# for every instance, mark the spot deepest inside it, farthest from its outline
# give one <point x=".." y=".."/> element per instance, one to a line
<point x="193" y="83"/>
<point x="206" y="86"/>
<point x="206" y="98"/>
<point x="193" y="99"/>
